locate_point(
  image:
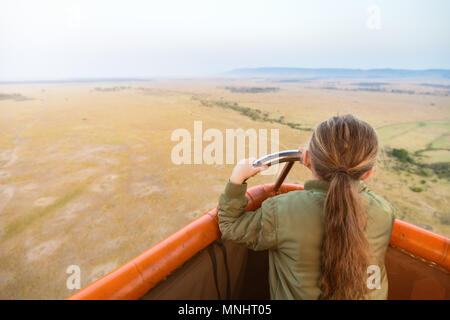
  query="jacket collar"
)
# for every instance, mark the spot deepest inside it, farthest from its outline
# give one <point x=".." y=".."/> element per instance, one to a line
<point x="323" y="185"/>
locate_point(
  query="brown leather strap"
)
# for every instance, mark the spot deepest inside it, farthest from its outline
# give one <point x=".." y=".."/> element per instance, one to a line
<point x="212" y="255"/>
<point x="224" y="252"/>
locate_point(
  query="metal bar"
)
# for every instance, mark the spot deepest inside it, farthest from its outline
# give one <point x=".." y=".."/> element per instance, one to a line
<point x="283" y="174"/>
<point x="278" y="157"/>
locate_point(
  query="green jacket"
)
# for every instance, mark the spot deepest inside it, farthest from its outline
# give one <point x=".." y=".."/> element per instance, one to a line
<point x="291" y="227"/>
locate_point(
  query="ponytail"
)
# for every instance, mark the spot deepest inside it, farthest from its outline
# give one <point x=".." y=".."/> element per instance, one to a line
<point x="344" y="246"/>
<point x="342" y="149"/>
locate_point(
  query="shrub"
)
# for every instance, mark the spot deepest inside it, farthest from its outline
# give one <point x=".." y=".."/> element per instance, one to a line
<point x="442" y="169"/>
<point x="425" y="172"/>
<point x="402" y="155"/>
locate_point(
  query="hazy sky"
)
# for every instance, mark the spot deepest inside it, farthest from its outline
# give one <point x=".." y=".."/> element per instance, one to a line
<point x="54" y="39"/>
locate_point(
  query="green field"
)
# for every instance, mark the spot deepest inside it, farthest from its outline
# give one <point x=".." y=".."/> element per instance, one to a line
<point x="423" y="168"/>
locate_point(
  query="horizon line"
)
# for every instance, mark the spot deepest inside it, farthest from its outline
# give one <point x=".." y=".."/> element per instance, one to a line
<point x="200" y="76"/>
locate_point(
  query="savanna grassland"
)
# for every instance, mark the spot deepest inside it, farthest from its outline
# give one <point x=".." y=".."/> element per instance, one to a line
<point x="86" y="176"/>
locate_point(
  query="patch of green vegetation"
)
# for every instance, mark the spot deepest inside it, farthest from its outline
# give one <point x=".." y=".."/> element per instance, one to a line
<point x="441" y="169"/>
<point x="402" y="155"/>
<point x="254" y="114"/>
<point x="391" y="132"/>
<point x="411" y="164"/>
<point x="441" y="142"/>
<point x="20" y="223"/>
<point x="416" y="189"/>
<point x="417" y="137"/>
<point x="424" y="172"/>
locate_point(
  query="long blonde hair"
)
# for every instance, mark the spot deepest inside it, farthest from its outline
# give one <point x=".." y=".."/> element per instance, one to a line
<point x="341" y="150"/>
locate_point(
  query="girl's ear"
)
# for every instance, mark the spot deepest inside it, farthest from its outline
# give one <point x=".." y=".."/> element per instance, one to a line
<point x="307" y="159"/>
<point x="367" y="174"/>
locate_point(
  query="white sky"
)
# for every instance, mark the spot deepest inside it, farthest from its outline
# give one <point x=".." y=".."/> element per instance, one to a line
<point x="59" y="39"/>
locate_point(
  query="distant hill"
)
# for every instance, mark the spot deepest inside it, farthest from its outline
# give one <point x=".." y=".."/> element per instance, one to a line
<point x="291" y="74"/>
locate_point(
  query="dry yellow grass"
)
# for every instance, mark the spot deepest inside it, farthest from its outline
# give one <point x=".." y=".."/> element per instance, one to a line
<point x="86" y="176"/>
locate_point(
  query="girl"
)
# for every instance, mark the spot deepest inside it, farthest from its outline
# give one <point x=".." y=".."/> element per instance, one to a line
<point x="329" y="240"/>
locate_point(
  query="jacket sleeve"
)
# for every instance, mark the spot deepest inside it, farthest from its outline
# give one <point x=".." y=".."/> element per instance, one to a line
<point x="256" y="229"/>
<point x="394" y="213"/>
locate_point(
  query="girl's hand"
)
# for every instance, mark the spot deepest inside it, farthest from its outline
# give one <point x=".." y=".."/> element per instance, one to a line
<point x="244" y="170"/>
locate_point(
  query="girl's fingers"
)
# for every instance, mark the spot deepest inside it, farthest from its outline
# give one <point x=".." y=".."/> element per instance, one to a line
<point x="248" y="161"/>
<point x="242" y="161"/>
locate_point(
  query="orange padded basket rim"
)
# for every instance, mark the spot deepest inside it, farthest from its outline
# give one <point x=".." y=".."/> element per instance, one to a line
<point x="134" y="278"/>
